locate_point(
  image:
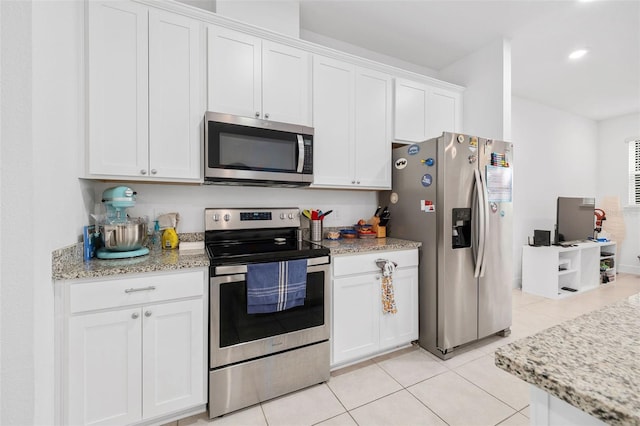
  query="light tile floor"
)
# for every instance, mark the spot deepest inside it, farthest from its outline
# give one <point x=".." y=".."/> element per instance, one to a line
<point x="413" y="387"/>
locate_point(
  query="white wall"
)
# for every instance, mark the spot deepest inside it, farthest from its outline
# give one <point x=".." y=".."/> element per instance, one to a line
<point x="613" y="181"/>
<point x="59" y="197"/>
<point x="42" y="199"/>
<point x="365" y="53"/>
<point x="486" y="75"/>
<point x="555" y="154"/>
<point x="190" y="201"/>
<point x="282" y="16"/>
<point x="17" y="233"/>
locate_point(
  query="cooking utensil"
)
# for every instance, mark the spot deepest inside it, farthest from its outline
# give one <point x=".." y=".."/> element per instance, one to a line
<point x="306" y="213"/>
<point x="378" y="211"/>
<point x="325" y="214"/>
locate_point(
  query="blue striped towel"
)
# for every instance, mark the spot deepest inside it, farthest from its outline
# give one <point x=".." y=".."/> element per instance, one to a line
<point x="276" y="286"/>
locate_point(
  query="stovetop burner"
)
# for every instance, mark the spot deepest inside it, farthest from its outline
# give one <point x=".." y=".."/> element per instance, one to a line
<point x="234" y="236"/>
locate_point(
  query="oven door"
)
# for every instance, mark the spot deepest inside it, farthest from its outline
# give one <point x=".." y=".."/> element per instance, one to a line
<point x="236" y="336"/>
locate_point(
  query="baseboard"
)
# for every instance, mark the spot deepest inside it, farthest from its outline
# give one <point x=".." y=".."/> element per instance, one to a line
<point x="629" y="269"/>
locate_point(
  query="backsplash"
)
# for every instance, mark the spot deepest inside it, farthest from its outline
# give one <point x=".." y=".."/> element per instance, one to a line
<point x="190" y="201"/>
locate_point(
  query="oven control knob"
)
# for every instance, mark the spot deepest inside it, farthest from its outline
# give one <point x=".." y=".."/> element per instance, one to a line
<point x="227" y="217"/>
<point x="283" y="216"/>
<point x="216" y="217"/>
<point x="291" y="216"/>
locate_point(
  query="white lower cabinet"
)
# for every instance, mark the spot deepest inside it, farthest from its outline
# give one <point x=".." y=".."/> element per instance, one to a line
<point x="135" y="348"/>
<point x="359" y="327"/>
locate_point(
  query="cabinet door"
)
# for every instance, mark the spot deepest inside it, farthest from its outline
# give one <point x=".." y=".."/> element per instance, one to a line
<point x="333" y="150"/>
<point x="175" y="107"/>
<point x="118" y="88"/>
<point x="173" y="363"/>
<point x="402" y="327"/>
<point x="372" y="129"/>
<point x="410" y="111"/>
<point x="444" y="112"/>
<point x="356" y="317"/>
<point x="286" y="84"/>
<point x="234" y="72"/>
<point x="104" y="359"/>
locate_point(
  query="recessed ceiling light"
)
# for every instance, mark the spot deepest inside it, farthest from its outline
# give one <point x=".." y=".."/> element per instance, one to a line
<point x="577" y="54"/>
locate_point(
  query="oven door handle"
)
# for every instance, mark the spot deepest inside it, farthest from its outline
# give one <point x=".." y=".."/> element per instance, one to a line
<point x="242" y="269"/>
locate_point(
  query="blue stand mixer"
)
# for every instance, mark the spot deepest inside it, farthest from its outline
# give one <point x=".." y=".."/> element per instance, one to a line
<point x="121" y="236"/>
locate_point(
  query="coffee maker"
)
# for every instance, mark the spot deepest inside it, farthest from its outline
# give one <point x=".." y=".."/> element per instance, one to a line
<point x="121" y="235"/>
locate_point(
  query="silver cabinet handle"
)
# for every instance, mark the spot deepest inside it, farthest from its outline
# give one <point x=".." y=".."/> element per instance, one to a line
<point x="257" y="114"/>
<point x="135" y="315"/>
<point x="353" y="181"/>
<point x="143" y="172"/>
<point x="147" y="314"/>
<point x="154" y="171"/>
<point x="266" y="115"/>
<point x="358" y="182"/>
<point x="133" y="290"/>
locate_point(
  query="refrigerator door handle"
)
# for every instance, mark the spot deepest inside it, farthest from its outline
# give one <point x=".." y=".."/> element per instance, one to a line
<point x="484" y="206"/>
<point x="479" y="190"/>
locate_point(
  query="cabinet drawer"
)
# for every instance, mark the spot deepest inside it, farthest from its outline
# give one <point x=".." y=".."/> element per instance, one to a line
<point x="93" y="295"/>
<point x="363" y="263"/>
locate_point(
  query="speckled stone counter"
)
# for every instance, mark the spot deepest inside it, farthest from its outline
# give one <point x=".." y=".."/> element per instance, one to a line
<point x="363" y="245"/>
<point x="67" y="264"/>
<point x="591" y="362"/>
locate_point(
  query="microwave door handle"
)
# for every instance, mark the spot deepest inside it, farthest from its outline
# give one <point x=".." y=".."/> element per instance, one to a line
<point x="300" y="154"/>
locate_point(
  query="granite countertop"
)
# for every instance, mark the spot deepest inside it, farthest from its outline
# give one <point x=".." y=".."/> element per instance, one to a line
<point x="156" y="260"/>
<point x="591" y="362"/>
<point x="363" y="245"/>
<point x="67" y="263"/>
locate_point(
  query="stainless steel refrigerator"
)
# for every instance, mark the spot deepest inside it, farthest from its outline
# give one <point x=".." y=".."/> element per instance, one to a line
<point x="454" y="194"/>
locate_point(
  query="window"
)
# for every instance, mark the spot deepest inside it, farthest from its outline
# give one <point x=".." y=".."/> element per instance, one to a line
<point x="634" y="172"/>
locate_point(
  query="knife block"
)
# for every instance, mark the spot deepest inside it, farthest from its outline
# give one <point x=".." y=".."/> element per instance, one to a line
<point x="381" y="231"/>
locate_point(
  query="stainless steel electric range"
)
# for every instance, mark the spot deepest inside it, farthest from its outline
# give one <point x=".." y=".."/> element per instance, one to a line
<point x="256" y="357"/>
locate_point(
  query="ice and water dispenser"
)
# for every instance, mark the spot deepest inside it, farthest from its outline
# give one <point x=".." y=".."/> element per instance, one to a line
<point x="461" y="233"/>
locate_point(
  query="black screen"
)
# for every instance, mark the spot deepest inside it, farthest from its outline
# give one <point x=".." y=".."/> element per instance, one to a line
<point x="575" y="219"/>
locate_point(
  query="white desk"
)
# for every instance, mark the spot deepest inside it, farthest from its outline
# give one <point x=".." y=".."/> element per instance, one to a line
<point x="546" y="270"/>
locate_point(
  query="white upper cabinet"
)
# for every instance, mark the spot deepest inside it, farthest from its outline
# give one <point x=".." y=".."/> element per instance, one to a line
<point x="373" y="129"/>
<point x="423" y="111"/>
<point x="145" y="93"/>
<point x="251" y="77"/>
<point x="352" y="122"/>
<point x="410" y="111"/>
<point x="333" y="118"/>
<point x="118" y="88"/>
<point x="444" y="111"/>
<point x="176" y="107"/>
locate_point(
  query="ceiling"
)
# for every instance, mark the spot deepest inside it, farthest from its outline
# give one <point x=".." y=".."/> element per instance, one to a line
<point x="435" y="33"/>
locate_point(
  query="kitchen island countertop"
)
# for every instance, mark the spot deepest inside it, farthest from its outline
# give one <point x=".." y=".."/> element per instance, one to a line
<point x="364" y="245"/>
<point x="591" y="362"/>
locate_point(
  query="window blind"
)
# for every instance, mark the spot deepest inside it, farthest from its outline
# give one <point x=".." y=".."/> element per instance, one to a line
<point x="634" y="172"/>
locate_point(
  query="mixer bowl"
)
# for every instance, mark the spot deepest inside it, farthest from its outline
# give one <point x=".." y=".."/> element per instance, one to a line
<point x="123" y="236"/>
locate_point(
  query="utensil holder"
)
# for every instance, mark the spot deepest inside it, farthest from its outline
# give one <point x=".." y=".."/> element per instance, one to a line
<point x="316" y="230"/>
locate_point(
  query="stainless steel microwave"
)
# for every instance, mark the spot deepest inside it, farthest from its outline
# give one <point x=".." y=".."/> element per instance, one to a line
<point x="250" y="151"/>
